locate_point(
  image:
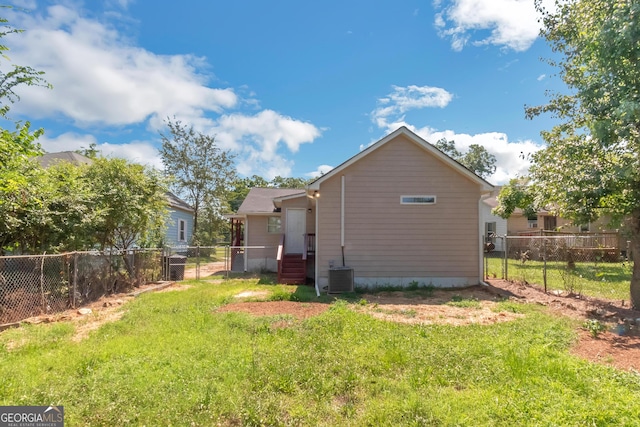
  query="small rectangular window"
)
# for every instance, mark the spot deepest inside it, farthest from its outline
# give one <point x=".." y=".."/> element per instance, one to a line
<point x="274" y="224"/>
<point x="417" y="200"/>
<point x="532" y="221"/>
<point x="584" y="228"/>
<point x="182" y="230"/>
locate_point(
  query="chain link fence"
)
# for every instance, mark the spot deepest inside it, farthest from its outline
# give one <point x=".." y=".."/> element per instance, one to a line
<point x="32" y="285"/>
<point x="568" y="262"/>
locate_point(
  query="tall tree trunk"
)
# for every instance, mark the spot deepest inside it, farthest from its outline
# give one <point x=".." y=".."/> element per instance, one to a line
<point x="635" y="251"/>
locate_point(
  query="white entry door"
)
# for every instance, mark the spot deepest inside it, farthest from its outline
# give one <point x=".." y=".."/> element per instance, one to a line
<point x="296" y="227"/>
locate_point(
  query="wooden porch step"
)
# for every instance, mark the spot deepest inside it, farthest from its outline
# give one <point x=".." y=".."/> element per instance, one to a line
<point x="293" y="270"/>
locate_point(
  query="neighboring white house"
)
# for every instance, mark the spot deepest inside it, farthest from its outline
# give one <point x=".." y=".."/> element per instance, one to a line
<point x="494" y="226"/>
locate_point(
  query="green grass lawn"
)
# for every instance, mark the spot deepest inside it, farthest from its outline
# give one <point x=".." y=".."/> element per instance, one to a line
<point x="604" y="280"/>
<point x="173" y="360"/>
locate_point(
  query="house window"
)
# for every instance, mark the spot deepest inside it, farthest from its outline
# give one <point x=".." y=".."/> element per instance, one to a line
<point x="182" y="230"/>
<point x="532" y="221"/>
<point x="584" y="228"/>
<point x="274" y="225"/>
<point x="417" y="200"/>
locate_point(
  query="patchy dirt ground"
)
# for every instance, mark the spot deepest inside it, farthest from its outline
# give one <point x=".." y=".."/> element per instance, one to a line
<point x="621" y="349"/>
<point x="107" y="309"/>
<point x="434" y="309"/>
<point x="299" y="310"/>
<point x="206" y="270"/>
<point x="617" y="346"/>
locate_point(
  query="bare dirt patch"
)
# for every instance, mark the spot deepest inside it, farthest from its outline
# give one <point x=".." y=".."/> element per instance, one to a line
<point x="107" y="309"/>
<point x="609" y="348"/>
<point x="621" y="350"/>
<point x="206" y="270"/>
<point x="433" y="309"/>
<point x="299" y="310"/>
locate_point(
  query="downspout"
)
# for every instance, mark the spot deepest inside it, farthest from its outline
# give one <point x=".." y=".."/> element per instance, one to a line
<point x="316" y="249"/>
<point x="342" y="217"/>
<point x="246" y="243"/>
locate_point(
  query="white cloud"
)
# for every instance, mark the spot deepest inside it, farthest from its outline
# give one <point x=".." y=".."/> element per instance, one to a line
<point x="511" y="156"/>
<point x="403" y="99"/>
<point x="142" y="152"/>
<point x="321" y="170"/>
<point x="541" y="77"/>
<point x="512" y="23"/>
<point x="102" y="80"/>
<point x="257" y="139"/>
<point x="99" y="77"/>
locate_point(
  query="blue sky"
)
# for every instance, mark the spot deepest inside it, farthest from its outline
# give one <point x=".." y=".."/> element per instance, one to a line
<point x="292" y="88"/>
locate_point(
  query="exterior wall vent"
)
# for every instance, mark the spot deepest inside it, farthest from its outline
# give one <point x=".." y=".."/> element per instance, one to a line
<point x="340" y="280"/>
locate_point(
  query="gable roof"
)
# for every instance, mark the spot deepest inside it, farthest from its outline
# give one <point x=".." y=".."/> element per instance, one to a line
<point x="261" y="200"/>
<point x="177" y="203"/>
<point x="49" y="159"/>
<point x="484" y="185"/>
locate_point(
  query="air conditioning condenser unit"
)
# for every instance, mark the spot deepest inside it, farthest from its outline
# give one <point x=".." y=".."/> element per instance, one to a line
<point x="340" y="280"/>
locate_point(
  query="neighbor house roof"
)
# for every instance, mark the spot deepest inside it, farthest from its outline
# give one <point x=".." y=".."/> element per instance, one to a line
<point x="261" y="200"/>
<point x="486" y="186"/>
<point x="177" y="203"/>
<point x="49" y="159"/>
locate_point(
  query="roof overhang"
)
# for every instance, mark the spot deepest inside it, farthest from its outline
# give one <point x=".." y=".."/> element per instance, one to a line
<point x="485" y="186"/>
<point x="234" y="216"/>
<point x="277" y="201"/>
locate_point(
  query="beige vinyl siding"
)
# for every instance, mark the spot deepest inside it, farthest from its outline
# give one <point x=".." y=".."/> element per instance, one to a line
<point x="384" y="238"/>
<point x="258" y="236"/>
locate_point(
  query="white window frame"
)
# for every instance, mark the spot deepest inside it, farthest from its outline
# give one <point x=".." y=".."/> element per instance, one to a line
<point x="274" y="228"/>
<point x="417" y="200"/>
<point x="532" y="222"/>
<point x="182" y="230"/>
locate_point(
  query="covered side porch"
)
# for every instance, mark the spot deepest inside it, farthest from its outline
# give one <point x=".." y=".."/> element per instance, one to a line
<point x="276" y="235"/>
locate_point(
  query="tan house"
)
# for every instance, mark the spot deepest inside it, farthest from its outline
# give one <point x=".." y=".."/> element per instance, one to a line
<point x="399" y="212"/>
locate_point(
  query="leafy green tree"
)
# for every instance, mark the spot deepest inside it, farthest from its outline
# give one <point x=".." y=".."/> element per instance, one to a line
<point x="20" y="183"/>
<point x="477" y="158"/>
<point x="516" y="194"/>
<point x="129" y="203"/>
<point x="449" y="148"/>
<point x="240" y="188"/>
<point x="202" y="172"/>
<point x="288" y="182"/>
<point x="16" y="75"/>
<point x="69" y="209"/>
<point x="591" y="164"/>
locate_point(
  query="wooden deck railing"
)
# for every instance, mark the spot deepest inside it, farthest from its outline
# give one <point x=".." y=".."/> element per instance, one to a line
<point x="309" y="245"/>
